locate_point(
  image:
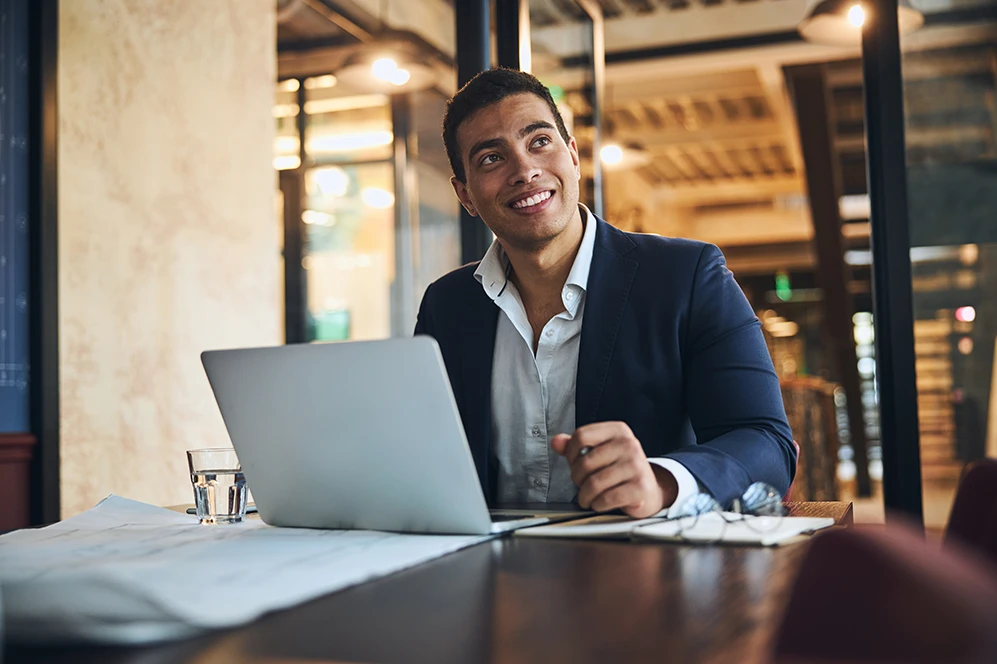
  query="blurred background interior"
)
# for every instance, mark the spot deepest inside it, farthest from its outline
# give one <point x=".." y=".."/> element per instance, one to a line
<point x="244" y="172"/>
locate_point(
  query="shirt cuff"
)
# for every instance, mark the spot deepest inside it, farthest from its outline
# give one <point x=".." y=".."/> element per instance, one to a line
<point x="687" y="484"/>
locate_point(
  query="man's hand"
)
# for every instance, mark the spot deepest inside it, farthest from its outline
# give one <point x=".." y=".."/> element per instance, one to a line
<point x="614" y="473"/>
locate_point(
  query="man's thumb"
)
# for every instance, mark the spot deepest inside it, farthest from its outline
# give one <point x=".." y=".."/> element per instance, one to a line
<point x="560" y="443"/>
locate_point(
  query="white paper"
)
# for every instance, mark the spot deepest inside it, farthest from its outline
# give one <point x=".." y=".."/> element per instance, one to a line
<point x="731" y="528"/>
<point x="601" y="526"/>
<point x="127" y="572"/>
<point x="728" y="528"/>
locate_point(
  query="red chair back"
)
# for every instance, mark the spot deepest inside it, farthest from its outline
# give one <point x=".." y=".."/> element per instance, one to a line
<point x="884" y="594"/>
<point x="973" y="521"/>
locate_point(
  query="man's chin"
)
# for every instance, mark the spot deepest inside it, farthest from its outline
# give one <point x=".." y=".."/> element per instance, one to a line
<point x="533" y="241"/>
<point x="534" y="234"/>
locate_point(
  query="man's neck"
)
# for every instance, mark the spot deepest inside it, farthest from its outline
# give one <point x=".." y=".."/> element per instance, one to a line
<point x="540" y="275"/>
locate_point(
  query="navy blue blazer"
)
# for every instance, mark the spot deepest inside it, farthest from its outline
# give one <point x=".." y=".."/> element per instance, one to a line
<point x="669" y="345"/>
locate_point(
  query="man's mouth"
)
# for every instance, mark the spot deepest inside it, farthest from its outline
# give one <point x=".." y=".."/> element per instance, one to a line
<point x="530" y="201"/>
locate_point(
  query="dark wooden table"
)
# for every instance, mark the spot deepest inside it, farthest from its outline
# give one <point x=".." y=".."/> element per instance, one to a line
<point x="519" y="600"/>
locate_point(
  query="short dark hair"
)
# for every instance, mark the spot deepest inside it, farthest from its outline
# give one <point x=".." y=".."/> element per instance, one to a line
<point x="483" y="90"/>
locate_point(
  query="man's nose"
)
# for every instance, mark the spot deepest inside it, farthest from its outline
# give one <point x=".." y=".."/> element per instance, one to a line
<point x="525" y="169"/>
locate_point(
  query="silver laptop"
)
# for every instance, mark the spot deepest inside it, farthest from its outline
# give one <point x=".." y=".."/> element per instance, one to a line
<point x="362" y="435"/>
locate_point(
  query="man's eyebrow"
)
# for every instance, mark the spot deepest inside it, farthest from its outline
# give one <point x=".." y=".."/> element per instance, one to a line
<point x="484" y="145"/>
<point x="533" y="126"/>
<point x="495" y="142"/>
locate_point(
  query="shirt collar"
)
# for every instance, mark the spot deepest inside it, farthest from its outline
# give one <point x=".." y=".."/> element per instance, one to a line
<point x="492" y="271"/>
<point x="579" y="274"/>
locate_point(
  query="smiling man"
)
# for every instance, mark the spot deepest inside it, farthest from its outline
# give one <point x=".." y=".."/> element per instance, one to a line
<point x="625" y="371"/>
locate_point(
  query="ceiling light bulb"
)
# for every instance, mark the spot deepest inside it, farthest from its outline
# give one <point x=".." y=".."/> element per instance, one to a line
<point x="965" y="345"/>
<point x="856" y="16"/>
<point x="318" y="82"/>
<point x="379" y="199"/>
<point x="965" y="314"/>
<point x="611" y="154"/>
<point x="384" y="68"/>
<point x="317" y="218"/>
<point x="286" y="162"/>
<point x="399" y="77"/>
<point x="361" y="140"/>
<point x="331" y="181"/>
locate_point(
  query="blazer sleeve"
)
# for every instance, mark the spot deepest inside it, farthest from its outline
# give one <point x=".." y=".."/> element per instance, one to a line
<point x="424" y="319"/>
<point x="732" y="391"/>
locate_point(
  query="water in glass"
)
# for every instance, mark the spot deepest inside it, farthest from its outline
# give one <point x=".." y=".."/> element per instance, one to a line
<point x="220" y="495"/>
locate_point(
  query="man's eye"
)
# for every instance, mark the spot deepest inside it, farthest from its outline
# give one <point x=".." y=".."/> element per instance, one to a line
<point x="541" y="141"/>
<point x="489" y="159"/>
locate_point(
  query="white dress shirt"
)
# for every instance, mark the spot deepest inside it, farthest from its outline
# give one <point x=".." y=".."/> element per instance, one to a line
<point x="533" y="396"/>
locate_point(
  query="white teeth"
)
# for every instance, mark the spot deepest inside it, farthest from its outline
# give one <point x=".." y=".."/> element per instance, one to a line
<point x="532" y="200"/>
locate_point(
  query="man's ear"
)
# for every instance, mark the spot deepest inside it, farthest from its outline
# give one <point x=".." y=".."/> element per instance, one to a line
<point x="573" y="149"/>
<point x="462" y="194"/>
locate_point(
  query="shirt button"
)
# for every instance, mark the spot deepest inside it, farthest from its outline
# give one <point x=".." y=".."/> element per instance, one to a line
<point x="569" y="295"/>
<point x="537" y="483"/>
<point x="536" y="432"/>
<point x="550" y="332"/>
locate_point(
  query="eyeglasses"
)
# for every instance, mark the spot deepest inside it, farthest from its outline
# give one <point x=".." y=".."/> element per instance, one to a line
<point x="759" y="509"/>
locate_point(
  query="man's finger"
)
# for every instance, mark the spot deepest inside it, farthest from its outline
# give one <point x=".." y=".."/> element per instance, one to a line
<point x="626" y="496"/>
<point x="593" y="435"/>
<point x="603" y="480"/>
<point x="596" y="459"/>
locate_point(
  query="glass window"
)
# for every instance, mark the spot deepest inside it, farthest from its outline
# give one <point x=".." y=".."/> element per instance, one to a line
<point x="345" y="127"/>
<point x="438" y="229"/>
<point x="285" y="111"/>
<point x="367" y="258"/>
<point x="349" y="258"/>
<point x="348" y="213"/>
<point x="952" y="194"/>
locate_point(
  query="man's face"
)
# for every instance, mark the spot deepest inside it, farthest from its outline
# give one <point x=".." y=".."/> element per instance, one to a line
<point x="522" y="179"/>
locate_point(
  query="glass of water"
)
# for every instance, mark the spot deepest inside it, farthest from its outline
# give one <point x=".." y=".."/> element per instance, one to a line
<point x="219" y="485"/>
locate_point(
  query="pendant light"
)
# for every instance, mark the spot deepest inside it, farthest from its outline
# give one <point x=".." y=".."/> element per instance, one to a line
<point x="839" y="22"/>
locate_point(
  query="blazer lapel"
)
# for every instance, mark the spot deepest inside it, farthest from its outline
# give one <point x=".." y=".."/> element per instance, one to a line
<point x="480" y="319"/>
<point x="610" y="278"/>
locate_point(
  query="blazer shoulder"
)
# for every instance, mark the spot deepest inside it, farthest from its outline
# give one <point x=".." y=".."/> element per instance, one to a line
<point x="456" y="283"/>
<point x="645" y="245"/>
<point x="669" y="257"/>
<point x="673" y="247"/>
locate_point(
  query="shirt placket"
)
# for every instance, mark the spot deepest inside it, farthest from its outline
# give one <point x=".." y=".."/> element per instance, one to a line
<point x="535" y="466"/>
<point x="564" y="323"/>
<point x="546" y="350"/>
